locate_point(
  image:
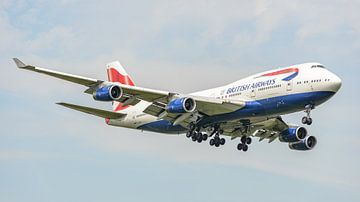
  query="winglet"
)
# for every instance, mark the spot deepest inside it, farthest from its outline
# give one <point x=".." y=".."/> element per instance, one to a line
<point x="18" y="63"/>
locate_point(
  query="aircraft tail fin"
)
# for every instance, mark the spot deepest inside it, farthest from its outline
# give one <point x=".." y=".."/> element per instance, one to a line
<point x="117" y="73"/>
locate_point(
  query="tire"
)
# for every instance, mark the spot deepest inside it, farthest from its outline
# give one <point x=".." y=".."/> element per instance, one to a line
<point x="245" y="148"/>
<point x="204" y="137"/>
<point x="304" y="120"/>
<point x="248" y="140"/>
<point x="199" y="140"/>
<point x="212" y="142"/>
<point x="188" y="134"/>
<point x="243" y="139"/>
<point x="240" y="146"/>
<point x="193" y="138"/>
<point x="309" y="121"/>
<point x="217" y="141"/>
<point x="222" y="141"/>
<point x="217" y="145"/>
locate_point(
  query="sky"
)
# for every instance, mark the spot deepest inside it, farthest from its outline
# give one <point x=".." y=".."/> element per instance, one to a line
<point x="50" y="153"/>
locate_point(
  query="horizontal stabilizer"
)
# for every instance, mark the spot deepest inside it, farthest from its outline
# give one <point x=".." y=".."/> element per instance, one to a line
<point x="93" y="111"/>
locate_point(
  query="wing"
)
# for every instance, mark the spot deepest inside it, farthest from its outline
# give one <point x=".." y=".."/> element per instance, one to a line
<point x="94" y="111"/>
<point x="68" y="77"/>
<point x="159" y="99"/>
<point x="263" y="128"/>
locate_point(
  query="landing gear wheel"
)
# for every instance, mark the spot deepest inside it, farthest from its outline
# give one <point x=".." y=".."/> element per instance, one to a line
<point x="193" y="137"/>
<point x="204" y="137"/>
<point x="199" y="137"/>
<point x="304" y="120"/>
<point x="243" y="139"/>
<point x="245" y="148"/>
<point x="188" y="134"/>
<point x="212" y="142"/>
<point x="248" y="140"/>
<point x="222" y="141"/>
<point x="240" y="146"/>
<point x="309" y="121"/>
<point x="217" y="141"/>
<point x="217" y="144"/>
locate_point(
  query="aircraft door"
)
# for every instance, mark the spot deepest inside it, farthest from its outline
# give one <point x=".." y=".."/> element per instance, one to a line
<point x="253" y="94"/>
<point x="289" y="86"/>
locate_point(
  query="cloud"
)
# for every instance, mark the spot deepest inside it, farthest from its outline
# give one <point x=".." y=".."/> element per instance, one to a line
<point x="181" y="46"/>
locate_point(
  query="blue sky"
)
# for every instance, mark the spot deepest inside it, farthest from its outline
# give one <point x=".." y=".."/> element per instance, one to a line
<point x="48" y="153"/>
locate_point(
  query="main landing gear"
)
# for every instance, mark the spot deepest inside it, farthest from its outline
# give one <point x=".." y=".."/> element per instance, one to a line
<point x="217" y="141"/>
<point x="307" y="119"/>
<point x="244" y="142"/>
<point x="197" y="136"/>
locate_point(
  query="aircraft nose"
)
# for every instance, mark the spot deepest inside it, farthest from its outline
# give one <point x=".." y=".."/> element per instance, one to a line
<point x="335" y="83"/>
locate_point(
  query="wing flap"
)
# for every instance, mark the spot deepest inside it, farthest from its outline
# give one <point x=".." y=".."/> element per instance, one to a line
<point x="94" y="111"/>
<point x="262" y="128"/>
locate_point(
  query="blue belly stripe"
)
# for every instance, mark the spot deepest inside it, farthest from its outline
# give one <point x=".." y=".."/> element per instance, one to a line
<point x="264" y="107"/>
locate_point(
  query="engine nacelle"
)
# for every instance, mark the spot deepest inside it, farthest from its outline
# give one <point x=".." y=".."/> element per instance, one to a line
<point x="108" y="93"/>
<point x="306" y="144"/>
<point x="293" y="134"/>
<point x="181" y="105"/>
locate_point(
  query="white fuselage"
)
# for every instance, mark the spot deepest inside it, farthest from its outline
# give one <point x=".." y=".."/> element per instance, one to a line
<point x="279" y="91"/>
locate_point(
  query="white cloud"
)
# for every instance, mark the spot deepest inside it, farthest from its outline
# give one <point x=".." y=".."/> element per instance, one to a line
<point x="207" y="51"/>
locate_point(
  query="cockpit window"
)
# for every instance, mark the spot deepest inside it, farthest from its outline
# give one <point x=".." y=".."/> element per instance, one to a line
<point x="318" y="66"/>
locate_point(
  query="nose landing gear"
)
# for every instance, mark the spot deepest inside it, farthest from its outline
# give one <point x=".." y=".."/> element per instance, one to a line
<point x="307" y="119"/>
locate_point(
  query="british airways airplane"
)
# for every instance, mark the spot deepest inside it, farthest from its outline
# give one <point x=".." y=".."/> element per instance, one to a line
<point x="250" y="107"/>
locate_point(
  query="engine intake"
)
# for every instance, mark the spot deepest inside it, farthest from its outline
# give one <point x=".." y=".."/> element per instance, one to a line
<point x="181" y="105"/>
<point x="108" y="93"/>
<point x="303" y="145"/>
<point x="293" y="134"/>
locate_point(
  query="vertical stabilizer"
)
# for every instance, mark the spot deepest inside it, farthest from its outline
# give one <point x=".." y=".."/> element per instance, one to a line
<point x="117" y="73"/>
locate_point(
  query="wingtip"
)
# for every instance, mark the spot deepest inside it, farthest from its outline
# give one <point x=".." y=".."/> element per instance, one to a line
<point x="18" y="63"/>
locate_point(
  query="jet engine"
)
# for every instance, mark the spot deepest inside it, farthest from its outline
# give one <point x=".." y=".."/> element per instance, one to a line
<point x="181" y="105"/>
<point x="108" y="93"/>
<point x="306" y="144"/>
<point x="293" y="134"/>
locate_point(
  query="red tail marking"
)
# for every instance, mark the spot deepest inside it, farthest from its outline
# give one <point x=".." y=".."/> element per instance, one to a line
<point x="115" y="76"/>
<point x="119" y="106"/>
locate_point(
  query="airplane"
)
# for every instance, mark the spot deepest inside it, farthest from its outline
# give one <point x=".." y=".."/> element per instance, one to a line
<point x="247" y="108"/>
